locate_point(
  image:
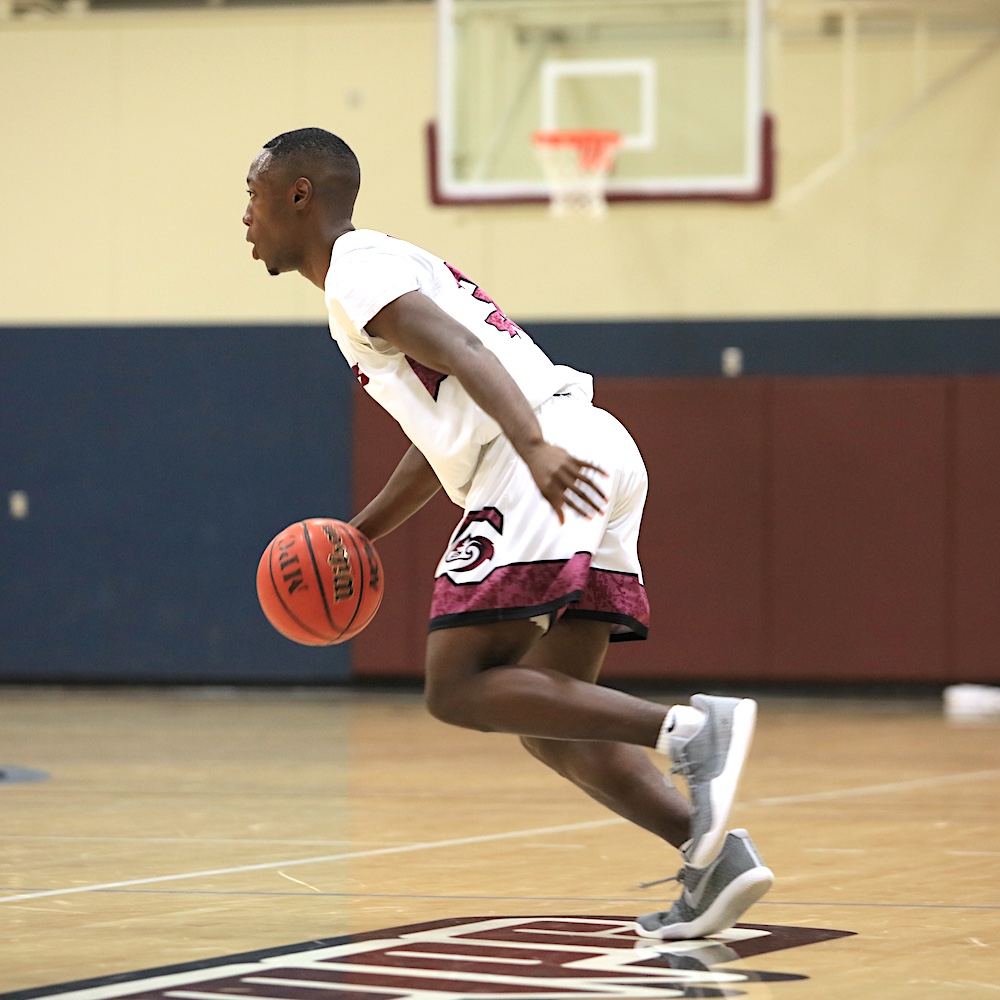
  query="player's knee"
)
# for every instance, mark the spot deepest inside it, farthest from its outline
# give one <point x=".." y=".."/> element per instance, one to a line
<point x="549" y="752"/>
<point x="447" y="704"/>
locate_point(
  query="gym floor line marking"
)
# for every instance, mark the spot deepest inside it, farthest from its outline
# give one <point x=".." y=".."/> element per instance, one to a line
<point x="623" y="900"/>
<point x="375" y="852"/>
<point x="835" y="850"/>
<point x="185" y="840"/>
<point x="840" y="793"/>
<point x="954" y="982"/>
<point x="896" y="786"/>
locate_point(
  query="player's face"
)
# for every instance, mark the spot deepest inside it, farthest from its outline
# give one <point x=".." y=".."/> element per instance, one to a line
<point x="270" y="217"/>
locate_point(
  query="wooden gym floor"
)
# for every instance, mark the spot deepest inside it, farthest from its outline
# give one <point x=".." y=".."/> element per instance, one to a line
<point x="186" y="825"/>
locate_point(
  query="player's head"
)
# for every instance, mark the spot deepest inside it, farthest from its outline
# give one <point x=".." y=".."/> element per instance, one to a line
<point x="301" y="185"/>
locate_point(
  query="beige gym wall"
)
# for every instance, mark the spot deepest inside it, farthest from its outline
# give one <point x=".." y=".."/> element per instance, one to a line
<point x="127" y="139"/>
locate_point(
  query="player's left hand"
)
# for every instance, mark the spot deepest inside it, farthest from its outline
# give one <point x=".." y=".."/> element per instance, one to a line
<point x="566" y="481"/>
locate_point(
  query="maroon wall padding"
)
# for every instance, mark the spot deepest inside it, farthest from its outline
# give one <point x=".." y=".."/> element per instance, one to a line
<point x="701" y="544"/>
<point x="976" y="562"/>
<point x="858" y="528"/>
<point x="797" y="530"/>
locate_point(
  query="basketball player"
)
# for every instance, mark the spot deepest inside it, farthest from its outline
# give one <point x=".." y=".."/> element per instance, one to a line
<point x="542" y="571"/>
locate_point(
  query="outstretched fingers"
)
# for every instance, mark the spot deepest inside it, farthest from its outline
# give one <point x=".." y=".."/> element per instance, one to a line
<point x="566" y="481"/>
<point x="587" y="489"/>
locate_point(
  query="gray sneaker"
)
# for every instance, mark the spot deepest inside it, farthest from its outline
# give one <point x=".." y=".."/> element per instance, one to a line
<point x="711" y="762"/>
<point x="714" y="897"/>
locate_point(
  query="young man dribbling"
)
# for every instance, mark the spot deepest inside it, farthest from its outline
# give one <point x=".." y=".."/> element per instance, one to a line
<point x="542" y="571"/>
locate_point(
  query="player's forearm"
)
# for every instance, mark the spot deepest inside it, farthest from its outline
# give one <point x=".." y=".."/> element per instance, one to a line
<point x="419" y="327"/>
<point x="407" y="490"/>
<point x="494" y="389"/>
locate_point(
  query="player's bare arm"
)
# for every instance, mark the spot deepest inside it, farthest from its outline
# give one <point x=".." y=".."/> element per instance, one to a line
<point x="408" y="489"/>
<point x="421" y="329"/>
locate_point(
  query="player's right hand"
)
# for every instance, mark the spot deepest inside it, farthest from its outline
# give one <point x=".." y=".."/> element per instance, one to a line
<point x="566" y="481"/>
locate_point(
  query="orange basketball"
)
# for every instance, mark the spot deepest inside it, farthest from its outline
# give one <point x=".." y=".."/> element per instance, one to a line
<point x="319" y="582"/>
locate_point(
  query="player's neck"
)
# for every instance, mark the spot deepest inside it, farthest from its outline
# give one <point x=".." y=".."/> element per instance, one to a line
<point x="316" y="267"/>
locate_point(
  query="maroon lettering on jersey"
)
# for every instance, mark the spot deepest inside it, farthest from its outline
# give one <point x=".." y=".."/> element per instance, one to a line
<point x="496" y="318"/>
<point x="488" y="514"/>
<point x="429" y="378"/>
<point x="471" y="548"/>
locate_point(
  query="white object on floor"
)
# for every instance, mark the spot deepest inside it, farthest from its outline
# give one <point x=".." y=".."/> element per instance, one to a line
<point x="965" y="700"/>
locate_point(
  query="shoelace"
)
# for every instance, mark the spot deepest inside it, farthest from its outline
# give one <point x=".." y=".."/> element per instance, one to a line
<point x="682" y="767"/>
<point x="679" y="877"/>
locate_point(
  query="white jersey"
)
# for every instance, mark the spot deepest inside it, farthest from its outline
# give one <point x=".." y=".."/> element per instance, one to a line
<point x="368" y="270"/>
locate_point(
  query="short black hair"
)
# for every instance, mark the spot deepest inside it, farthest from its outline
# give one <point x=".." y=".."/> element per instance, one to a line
<point x="314" y="143"/>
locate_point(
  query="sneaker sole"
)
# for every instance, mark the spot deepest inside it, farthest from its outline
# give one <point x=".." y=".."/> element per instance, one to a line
<point x="722" y="788"/>
<point x="728" y="907"/>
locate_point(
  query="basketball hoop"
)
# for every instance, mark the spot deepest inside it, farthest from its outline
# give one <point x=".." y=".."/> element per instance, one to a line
<point x="577" y="163"/>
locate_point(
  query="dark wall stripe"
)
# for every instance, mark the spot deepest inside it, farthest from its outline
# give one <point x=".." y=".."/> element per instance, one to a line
<point x="803" y="347"/>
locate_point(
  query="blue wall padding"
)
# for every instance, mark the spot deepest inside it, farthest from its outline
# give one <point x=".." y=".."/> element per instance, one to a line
<point x="158" y="463"/>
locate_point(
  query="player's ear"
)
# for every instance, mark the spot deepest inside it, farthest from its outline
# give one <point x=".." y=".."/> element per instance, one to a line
<point x="302" y="191"/>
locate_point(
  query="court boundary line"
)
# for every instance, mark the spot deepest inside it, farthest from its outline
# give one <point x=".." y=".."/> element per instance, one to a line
<point x="895" y="786"/>
<point x="347" y="855"/>
<point x="807" y="797"/>
<point x="528" y="899"/>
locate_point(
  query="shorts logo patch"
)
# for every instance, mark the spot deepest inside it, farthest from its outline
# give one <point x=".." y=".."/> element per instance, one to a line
<point x="473" y="545"/>
<point x="488" y="958"/>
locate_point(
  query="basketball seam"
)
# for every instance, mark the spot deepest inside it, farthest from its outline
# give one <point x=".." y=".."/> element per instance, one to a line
<point x="291" y="614"/>
<point x="361" y="591"/>
<point x="319" y="581"/>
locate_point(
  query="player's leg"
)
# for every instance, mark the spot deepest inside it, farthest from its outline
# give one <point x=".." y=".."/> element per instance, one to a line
<point x="468" y="684"/>
<point x="477" y="678"/>
<point x="483" y="677"/>
<point x="625" y="780"/>
<point x="508" y="562"/>
<point x="618" y="775"/>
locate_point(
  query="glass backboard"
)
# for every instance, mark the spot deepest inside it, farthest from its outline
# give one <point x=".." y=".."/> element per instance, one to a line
<point x="681" y="80"/>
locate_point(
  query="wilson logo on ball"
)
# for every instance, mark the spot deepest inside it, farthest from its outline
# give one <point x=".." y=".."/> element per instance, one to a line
<point x="319" y="582"/>
<point x="340" y="566"/>
<point x="291" y="571"/>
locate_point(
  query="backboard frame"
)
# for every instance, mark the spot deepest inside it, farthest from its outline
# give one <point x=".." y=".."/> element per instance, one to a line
<point x="755" y="183"/>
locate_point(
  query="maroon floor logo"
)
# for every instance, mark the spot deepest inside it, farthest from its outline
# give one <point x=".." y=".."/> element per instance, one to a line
<point x="485" y="958"/>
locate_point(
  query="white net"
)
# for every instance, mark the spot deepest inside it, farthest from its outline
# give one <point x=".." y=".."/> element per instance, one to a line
<point x="577" y="165"/>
